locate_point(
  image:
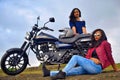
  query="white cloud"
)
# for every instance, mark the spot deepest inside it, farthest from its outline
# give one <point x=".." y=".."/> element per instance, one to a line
<point x="8" y="31"/>
<point x="27" y="14"/>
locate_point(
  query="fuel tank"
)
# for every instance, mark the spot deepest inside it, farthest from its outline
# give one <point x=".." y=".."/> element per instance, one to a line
<point x="45" y="37"/>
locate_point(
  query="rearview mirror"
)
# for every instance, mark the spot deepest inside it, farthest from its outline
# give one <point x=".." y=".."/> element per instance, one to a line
<point x="52" y="19"/>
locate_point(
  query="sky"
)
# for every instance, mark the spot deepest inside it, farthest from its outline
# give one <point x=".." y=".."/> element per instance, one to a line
<point x="18" y="16"/>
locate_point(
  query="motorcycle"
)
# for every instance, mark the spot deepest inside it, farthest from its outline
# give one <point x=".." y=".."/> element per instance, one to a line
<point x="47" y="48"/>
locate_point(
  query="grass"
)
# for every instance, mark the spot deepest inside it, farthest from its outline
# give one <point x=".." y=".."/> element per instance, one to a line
<point x="110" y="67"/>
<point x="37" y="70"/>
<point x="35" y="73"/>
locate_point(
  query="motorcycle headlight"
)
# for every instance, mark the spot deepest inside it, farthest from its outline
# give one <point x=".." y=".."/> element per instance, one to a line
<point x="27" y="35"/>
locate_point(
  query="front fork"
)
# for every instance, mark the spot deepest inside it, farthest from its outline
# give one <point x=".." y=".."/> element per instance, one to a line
<point x="24" y="48"/>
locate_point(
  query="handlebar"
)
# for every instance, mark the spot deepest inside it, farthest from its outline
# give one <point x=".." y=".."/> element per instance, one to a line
<point x="36" y="28"/>
<point x="42" y="28"/>
<point x="46" y="28"/>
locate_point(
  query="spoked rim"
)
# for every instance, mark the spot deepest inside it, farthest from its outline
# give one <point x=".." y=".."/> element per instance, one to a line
<point x="13" y="62"/>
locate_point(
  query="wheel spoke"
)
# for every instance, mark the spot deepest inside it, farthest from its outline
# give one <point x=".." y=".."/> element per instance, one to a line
<point x="9" y="67"/>
<point x="13" y="54"/>
<point x="22" y="60"/>
<point x="7" y="64"/>
<point x="20" y="63"/>
<point x="18" y="66"/>
<point x="15" y="68"/>
<point x="7" y="61"/>
<point x="9" y="57"/>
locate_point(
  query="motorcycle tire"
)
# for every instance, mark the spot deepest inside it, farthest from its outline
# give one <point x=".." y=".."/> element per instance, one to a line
<point x="11" y="63"/>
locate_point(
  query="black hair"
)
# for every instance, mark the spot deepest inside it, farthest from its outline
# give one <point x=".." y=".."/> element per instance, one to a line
<point x="97" y="43"/>
<point x="72" y="17"/>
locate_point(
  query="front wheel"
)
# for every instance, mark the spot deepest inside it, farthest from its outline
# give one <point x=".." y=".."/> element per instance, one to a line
<point x="12" y="63"/>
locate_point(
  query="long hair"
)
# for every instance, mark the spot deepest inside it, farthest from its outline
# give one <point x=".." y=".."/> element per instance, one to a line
<point x="72" y="17"/>
<point x="97" y="43"/>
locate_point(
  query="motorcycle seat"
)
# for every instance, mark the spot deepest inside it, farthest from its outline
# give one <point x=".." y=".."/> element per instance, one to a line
<point x="75" y="38"/>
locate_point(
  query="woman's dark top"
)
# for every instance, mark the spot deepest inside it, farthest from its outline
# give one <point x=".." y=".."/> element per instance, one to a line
<point x="78" y="25"/>
<point x="94" y="54"/>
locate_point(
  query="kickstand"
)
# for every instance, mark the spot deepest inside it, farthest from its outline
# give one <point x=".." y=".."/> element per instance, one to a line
<point x="59" y="66"/>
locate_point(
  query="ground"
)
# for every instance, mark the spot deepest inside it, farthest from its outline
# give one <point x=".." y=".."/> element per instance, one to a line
<point x="36" y="74"/>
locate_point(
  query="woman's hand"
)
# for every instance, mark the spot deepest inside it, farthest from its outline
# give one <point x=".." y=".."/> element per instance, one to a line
<point x="95" y="60"/>
<point x="117" y="70"/>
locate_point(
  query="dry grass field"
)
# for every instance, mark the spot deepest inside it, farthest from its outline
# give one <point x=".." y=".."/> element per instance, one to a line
<point x="35" y="73"/>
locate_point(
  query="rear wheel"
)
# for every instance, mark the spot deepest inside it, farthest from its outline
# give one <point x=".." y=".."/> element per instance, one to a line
<point x="12" y="63"/>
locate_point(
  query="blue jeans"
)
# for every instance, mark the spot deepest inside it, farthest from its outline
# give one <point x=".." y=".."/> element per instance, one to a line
<point x="85" y="66"/>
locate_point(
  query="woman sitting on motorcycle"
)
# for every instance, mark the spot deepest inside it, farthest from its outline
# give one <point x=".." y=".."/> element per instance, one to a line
<point x="76" y="23"/>
<point x="98" y="57"/>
